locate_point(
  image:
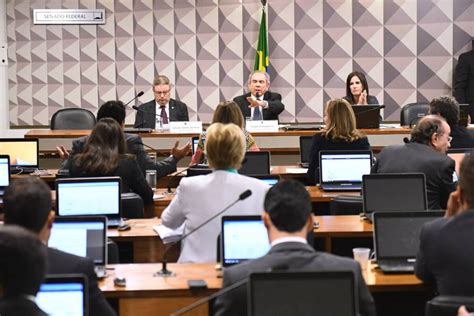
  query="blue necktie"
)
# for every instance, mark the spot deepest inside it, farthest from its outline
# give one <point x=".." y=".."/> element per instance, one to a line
<point x="257" y="115"/>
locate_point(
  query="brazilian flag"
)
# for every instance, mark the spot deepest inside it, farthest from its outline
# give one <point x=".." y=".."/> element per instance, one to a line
<point x="262" y="62"/>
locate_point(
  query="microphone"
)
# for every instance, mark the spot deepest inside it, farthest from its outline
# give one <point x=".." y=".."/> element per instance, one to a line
<point x="164" y="271"/>
<point x="136" y="97"/>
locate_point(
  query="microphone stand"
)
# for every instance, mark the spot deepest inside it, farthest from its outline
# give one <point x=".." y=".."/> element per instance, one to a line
<point x="164" y="272"/>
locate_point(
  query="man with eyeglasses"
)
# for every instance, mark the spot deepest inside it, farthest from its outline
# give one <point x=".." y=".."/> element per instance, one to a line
<point x="425" y="152"/>
<point x="163" y="109"/>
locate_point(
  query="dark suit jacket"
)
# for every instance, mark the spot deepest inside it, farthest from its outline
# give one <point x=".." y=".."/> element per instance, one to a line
<point x="446" y="256"/>
<point x="298" y="257"/>
<point x="464" y="80"/>
<point x="275" y="107"/>
<point x="413" y="157"/>
<point x="146" y="116"/>
<point x="19" y="307"/>
<point x="60" y="263"/>
<point x="462" y="138"/>
<point x="320" y="142"/>
<point x="134" y="147"/>
<point x="130" y="173"/>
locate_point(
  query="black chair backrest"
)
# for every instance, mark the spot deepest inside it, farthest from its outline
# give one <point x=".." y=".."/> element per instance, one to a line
<point x="411" y="113"/>
<point x="73" y="118"/>
<point x="112" y="252"/>
<point x="346" y="205"/>
<point x="132" y="205"/>
<point x="447" y="305"/>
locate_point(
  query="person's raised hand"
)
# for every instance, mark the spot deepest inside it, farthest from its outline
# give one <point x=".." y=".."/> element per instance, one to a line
<point x="454" y="204"/>
<point x="179" y="153"/>
<point x="62" y="151"/>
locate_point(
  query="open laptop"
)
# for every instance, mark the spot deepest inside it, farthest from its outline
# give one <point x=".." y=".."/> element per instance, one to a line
<point x="64" y="294"/>
<point x="4" y="174"/>
<point x="256" y="163"/>
<point x="90" y="196"/>
<point x="463" y="114"/>
<point x="367" y="116"/>
<point x="305" y="150"/>
<point x="242" y="238"/>
<point x="23" y="152"/>
<point x="302" y="293"/>
<point x="84" y="236"/>
<point x="342" y="170"/>
<point x="396" y="192"/>
<point x="397" y="238"/>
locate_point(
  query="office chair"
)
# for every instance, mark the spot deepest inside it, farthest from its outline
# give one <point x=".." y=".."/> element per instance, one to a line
<point x="73" y="118"/>
<point x="448" y="305"/>
<point x="411" y="113"/>
<point x="346" y="205"/>
<point x="112" y="252"/>
<point x="132" y="206"/>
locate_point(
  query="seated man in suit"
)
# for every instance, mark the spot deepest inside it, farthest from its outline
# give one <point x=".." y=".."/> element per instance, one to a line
<point x="463" y="81"/>
<point x="425" y="153"/>
<point x="27" y="203"/>
<point x="253" y="106"/>
<point x="288" y="219"/>
<point x="445" y="257"/>
<point x="116" y="110"/>
<point x="448" y="108"/>
<point x="160" y="111"/>
<point x="22" y="268"/>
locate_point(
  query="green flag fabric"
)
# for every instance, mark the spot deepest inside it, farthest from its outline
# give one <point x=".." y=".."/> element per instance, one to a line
<point x="262" y="61"/>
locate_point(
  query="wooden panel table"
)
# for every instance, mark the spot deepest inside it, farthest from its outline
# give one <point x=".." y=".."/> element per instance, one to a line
<point x="146" y="294"/>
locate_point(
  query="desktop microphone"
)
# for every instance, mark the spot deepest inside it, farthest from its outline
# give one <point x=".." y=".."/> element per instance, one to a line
<point x="139" y="94"/>
<point x="164" y="271"/>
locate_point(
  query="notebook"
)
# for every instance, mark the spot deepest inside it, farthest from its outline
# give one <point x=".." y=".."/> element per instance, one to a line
<point x="4" y="173"/>
<point x="302" y="293"/>
<point x="64" y="294"/>
<point x="256" y="163"/>
<point x="305" y="150"/>
<point x="393" y="193"/>
<point x="84" y="236"/>
<point x="243" y="238"/>
<point x="342" y="170"/>
<point x="23" y="152"/>
<point x="367" y="116"/>
<point x="397" y="238"/>
<point x="90" y="196"/>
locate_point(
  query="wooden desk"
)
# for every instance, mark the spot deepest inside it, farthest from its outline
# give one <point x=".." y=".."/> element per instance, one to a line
<point x="149" y="295"/>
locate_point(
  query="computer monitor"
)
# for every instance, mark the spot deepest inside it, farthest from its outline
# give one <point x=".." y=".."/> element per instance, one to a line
<point x="4" y="173"/>
<point x="23" y="152"/>
<point x="256" y="163"/>
<point x="344" y="166"/>
<point x="367" y="116"/>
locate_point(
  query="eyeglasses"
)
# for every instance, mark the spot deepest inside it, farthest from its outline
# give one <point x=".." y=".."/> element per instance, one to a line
<point x="162" y="92"/>
<point x="449" y="139"/>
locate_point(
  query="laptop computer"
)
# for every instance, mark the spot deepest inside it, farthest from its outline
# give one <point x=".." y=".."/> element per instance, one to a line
<point x="367" y="116"/>
<point x="64" y="294"/>
<point x="305" y="150"/>
<point x="302" y="293"/>
<point x="256" y="163"/>
<point x="84" y="236"/>
<point x="242" y="238"/>
<point x="23" y="152"/>
<point x="342" y="170"/>
<point x="396" y="192"/>
<point x="397" y="238"/>
<point x="90" y="196"/>
<point x="463" y="114"/>
<point x="4" y="174"/>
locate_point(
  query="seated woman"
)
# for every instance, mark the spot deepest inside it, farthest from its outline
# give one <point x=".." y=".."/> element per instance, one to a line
<point x="226" y="112"/>
<point x="340" y="133"/>
<point x="105" y="155"/>
<point x="357" y="90"/>
<point x="199" y="198"/>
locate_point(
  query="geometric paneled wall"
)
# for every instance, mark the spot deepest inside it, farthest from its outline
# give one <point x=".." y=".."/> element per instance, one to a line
<point x="408" y="49"/>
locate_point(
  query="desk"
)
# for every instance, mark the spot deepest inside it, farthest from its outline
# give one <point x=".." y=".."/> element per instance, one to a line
<point x="148" y="295"/>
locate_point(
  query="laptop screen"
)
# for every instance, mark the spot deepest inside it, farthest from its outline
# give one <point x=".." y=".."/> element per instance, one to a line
<point x="63" y="296"/>
<point x="344" y="166"/>
<point x="302" y="293"/>
<point x="80" y="236"/>
<point x="305" y="148"/>
<point x="394" y="192"/>
<point x="88" y="196"/>
<point x="4" y="172"/>
<point x="243" y="238"/>
<point x="23" y="152"/>
<point x="255" y="163"/>
<point x="367" y="116"/>
<point x="397" y="235"/>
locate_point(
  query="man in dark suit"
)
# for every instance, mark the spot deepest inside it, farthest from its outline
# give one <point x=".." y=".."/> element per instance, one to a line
<point x="22" y="268"/>
<point x="256" y="107"/>
<point x="27" y="203"/>
<point x="116" y="110"/>
<point x="448" y="108"/>
<point x="445" y="257"/>
<point x="425" y="153"/>
<point x="464" y="80"/>
<point x="167" y="109"/>
<point x="288" y="219"/>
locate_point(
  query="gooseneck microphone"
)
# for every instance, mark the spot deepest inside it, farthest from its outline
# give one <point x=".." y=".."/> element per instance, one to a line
<point x="164" y="270"/>
<point x="139" y="94"/>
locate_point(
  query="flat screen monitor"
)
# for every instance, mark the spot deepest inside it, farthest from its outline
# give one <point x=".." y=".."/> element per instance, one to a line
<point x="23" y="152"/>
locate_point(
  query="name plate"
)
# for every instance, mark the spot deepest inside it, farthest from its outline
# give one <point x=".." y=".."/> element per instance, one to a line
<point x="67" y="16"/>
<point x="262" y="126"/>
<point x="186" y="127"/>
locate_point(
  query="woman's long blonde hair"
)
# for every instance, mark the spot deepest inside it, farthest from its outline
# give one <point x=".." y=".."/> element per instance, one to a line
<point x="341" y="121"/>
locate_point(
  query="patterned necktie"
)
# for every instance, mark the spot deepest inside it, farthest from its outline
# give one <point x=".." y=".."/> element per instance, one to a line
<point x="257" y="115"/>
<point x="164" y="117"/>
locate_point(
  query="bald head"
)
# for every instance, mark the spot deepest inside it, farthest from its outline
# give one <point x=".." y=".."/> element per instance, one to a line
<point x="432" y="130"/>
